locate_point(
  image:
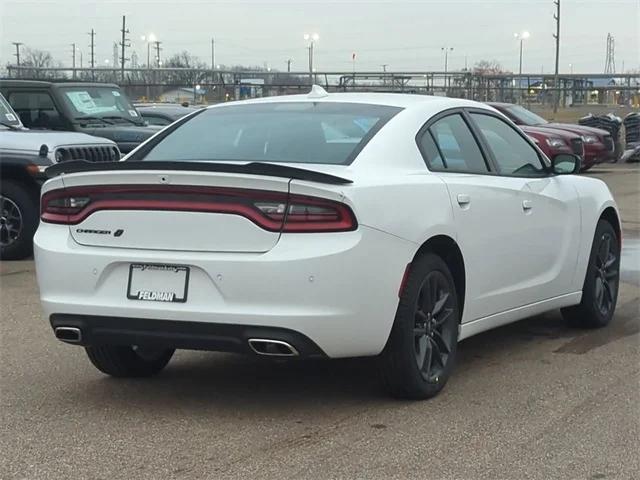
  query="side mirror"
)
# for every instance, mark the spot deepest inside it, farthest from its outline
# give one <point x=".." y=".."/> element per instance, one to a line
<point x="565" y="163"/>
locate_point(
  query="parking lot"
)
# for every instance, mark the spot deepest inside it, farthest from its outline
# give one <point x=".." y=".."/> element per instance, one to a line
<point x="535" y="399"/>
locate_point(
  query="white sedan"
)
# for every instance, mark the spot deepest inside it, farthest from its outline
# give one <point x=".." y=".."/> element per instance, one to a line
<point x="323" y="225"/>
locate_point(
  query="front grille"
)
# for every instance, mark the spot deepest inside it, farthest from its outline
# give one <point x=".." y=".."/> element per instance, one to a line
<point x="608" y="143"/>
<point x="92" y="153"/>
<point x="577" y="146"/>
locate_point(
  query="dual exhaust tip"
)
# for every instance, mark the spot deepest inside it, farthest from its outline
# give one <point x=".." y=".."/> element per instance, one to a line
<point x="68" y="334"/>
<point x="261" y="346"/>
<point x="272" y="348"/>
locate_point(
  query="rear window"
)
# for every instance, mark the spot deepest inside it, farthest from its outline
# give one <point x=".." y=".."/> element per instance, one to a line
<point x="292" y="132"/>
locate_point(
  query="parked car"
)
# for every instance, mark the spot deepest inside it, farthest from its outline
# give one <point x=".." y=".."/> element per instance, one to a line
<point x="553" y="141"/>
<point x="324" y="225"/>
<point x="24" y="154"/>
<point x="99" y="109"/>
<point x="163" y="114"/>
<point x="598" y="144"/>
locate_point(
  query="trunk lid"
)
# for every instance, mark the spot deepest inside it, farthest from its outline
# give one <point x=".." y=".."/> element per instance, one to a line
<point x="173" y="210"/>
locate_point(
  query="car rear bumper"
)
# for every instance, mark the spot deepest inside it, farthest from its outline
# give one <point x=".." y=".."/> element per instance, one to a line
<point x="339" y="290"/>
<point x="219" y="337"/>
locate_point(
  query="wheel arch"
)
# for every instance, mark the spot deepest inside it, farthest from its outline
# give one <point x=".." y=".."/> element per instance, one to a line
<point x="447" y="248"/>
<point x="611" y="215"/>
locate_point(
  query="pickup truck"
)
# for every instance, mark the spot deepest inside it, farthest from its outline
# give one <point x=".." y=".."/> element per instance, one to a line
<point x="98" y="109"/>
<point x="24" y="155"/>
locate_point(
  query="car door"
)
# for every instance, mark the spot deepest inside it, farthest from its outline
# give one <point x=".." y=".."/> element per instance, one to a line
<point x="495" y="225"/>
<point x="551" y="210"/>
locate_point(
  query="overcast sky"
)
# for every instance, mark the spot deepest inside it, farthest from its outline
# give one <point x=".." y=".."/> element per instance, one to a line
<point x="405" y="34"/>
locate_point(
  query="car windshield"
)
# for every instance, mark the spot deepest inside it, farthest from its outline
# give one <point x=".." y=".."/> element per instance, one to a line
<point x="7" y="115"/>
<point x="297" y="132"/>
<point x="100" y="102"/>
<point x="525" y="117"/>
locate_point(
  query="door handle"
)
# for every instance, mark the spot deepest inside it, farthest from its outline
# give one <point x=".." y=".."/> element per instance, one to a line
<point x="464" y="199"/>
<point x="527" y="205"/>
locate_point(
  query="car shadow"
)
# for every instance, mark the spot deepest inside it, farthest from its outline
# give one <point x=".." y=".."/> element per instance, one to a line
<point x="226" y="382"/>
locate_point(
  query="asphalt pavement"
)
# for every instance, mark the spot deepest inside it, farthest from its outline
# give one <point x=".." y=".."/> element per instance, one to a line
<point x="532" y="400"/>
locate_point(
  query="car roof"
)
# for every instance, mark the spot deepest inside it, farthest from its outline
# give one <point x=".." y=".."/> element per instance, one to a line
<point x="401" y="100"/>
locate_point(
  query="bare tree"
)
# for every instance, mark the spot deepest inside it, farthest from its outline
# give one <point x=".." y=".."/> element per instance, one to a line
<point x="187" y="78"/>
<point x="37" y="59"/>
<point x="488" y="67"/>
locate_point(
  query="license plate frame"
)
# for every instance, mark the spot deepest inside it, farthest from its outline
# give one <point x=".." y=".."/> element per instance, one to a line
<point x="172" y="295"/>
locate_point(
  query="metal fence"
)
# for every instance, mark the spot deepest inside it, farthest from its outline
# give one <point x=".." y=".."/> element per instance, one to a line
<point x="213" y="86"/>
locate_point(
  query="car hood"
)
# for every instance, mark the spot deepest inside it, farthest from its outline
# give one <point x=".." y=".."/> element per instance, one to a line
<point x="124" y="133"/>
<point x="548" y="131"/>
<point x="579" y="129"/>
<point x="32" y="140"/>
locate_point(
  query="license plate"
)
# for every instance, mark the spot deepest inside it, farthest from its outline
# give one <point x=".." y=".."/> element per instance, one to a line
<point x="158" y="283"/>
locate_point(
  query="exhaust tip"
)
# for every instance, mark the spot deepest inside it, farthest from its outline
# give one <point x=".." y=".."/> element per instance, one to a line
<point x="272" y="348"/>
<point x="68" y="334"/>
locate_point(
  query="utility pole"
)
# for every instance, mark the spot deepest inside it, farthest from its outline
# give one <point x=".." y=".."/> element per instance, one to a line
<point x="17" y="54"/>
<point x="123" y="44"/>
<point x="384" y="73"/>
<point x="556" y="80"/>
<point x="213" y="54"/>
<point x="213" y="60"/>
<point x="92" y="33"/>
<point x="73" y="56"/>
<point x="289" y="66"/>
<point x="157" y="47"/>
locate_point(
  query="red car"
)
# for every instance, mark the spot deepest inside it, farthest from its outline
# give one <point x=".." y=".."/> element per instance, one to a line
<point x="598" y="144"/>
<point x="554" y="141"/>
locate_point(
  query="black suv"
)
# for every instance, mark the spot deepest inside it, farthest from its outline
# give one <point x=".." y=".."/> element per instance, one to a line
<point x="99" y="109"/>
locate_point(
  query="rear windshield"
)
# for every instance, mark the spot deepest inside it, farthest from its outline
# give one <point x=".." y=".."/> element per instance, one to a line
<point x="295" y="132"/>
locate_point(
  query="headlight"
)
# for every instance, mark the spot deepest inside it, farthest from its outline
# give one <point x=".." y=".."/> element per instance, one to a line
<point x="556" y="142"/>
<point x="589" y="138"/>
<point x="59" y="155"/>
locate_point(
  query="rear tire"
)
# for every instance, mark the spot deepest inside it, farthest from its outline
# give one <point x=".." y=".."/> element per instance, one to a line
<point x="420" y="353"/>
<point x="125" y="361"/>
<point x="18" y="220"/>
<point x="600" y="289"/>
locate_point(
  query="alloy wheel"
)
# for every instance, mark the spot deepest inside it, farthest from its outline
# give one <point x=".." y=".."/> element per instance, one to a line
<point x="434" y="326"/>
<point x="10" y="221"/>
<point x="606" y="277"/>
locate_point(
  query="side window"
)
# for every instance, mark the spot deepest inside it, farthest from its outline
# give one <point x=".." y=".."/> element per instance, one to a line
<point x="430" y="151"/>
<point x="513" y="154"/>
<point x="36" y="109"/>
<point x="457" y="146"/>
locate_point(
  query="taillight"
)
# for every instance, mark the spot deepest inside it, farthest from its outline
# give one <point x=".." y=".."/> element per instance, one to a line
<point x="272" y="211"/>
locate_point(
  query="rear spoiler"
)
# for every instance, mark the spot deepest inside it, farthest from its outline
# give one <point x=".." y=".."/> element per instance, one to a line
<point x="253" y="168"/>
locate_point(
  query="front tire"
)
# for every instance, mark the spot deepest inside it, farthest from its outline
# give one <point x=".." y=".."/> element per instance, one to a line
<point x="420" y="353"/>
<point x="600" y="289"/>
<point x="125" y="361"/>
